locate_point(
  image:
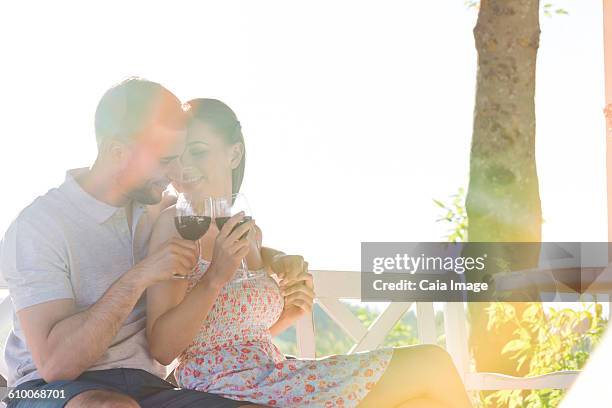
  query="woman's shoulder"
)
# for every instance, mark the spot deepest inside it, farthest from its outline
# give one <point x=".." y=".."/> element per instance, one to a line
<point x="165" y="221"/>
<point x="168" y="213"/>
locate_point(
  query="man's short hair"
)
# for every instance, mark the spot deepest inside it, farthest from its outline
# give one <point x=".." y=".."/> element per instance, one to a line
<point x="129" y="107"/>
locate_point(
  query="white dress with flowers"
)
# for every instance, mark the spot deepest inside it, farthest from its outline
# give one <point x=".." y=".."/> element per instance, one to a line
<point x="233" y="355"/>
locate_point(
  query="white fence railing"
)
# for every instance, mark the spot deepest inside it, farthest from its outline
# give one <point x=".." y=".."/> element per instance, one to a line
<point x="331" y="286"/>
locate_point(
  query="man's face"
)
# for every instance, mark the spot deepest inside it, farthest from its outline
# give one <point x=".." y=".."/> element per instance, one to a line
<point x="152" y="158"/>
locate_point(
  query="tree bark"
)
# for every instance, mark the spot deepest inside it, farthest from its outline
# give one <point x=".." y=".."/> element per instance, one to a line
<point x="503" y="201"/>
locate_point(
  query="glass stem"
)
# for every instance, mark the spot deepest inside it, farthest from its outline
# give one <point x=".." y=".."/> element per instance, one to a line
<point x="244" y="267"/>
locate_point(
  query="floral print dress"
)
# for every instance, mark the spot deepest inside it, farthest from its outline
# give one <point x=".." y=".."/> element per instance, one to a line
<point x="233" y="355"/>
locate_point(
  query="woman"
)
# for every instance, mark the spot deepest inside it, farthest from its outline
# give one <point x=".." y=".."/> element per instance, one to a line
<point x="221" y="329"/>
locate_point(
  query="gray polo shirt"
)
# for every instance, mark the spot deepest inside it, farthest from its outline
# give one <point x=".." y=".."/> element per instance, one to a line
<point x="68" y="245"/>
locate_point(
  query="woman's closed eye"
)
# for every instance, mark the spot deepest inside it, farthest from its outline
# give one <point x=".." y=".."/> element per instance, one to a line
<point x="198" y="152"/>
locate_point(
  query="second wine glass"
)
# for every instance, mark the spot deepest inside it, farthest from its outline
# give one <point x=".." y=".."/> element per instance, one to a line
<point x="223" y="209"/>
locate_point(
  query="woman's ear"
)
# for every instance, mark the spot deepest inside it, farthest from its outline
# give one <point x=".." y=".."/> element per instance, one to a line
<point x="237" y="154"/>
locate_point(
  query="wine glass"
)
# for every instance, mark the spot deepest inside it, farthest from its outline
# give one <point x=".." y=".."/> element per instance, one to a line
<point x="192" y="219"/>
<point x="223" y="209"/>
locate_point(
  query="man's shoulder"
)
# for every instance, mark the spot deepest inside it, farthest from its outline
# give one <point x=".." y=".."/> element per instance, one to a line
<point x="46" y="207"/>
<point x="44" y="214"/>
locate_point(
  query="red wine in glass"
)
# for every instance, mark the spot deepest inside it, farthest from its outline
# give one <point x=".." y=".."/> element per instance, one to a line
<point x="192" y="227"/>
<point x="220" y="221"/>
<point x="192" y="219"/>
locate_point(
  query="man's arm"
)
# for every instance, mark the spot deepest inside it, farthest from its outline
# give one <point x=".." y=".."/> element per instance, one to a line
<point x="64" y="343"/>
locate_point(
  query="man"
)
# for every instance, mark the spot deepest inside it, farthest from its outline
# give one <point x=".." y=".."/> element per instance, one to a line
<point x="76" y="268"/>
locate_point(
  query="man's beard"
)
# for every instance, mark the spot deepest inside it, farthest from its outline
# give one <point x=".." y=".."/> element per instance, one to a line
<point x="147" y="194"/>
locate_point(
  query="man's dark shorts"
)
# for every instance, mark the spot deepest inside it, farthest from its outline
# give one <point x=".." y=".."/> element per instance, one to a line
<point x="147" y="389"/>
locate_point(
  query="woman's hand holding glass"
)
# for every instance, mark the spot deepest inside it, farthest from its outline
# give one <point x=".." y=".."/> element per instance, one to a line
<point x="223" y="209"/>
<point x="231" y="247"/>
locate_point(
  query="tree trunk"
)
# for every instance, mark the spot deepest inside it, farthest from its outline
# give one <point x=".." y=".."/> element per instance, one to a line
<point x="503" y="202"/>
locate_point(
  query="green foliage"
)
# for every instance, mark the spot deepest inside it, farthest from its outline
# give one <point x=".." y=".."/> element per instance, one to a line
<point x="548" y="9"/>
<point x="455" y="215"/>
<point x="472" y="4"/>
<point x="546" y="341"/>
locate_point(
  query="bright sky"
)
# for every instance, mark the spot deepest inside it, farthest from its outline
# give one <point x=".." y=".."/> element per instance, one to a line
<point x="355" y="114"/>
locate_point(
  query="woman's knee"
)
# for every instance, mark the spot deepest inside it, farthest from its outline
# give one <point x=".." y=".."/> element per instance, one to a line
<point x="438" y="353"/>
<point x="424" y="356"/>
<point x="429" y="351"/>
<point x="102" y="399"/>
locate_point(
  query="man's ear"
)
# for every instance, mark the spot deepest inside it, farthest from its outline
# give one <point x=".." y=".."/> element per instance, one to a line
<point x="237" y="154"/>
<point x="116" y="154"/>
<point x="116" y="151"/>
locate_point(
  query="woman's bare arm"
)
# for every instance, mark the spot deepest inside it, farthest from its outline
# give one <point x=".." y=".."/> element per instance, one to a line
<point x="174" y="316"/>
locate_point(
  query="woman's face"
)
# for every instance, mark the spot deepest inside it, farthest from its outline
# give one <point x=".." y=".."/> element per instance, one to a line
<point x="207" y="162"/>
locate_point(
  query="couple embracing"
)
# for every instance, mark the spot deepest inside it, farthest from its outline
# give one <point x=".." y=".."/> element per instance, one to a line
<point x="100" y="318"/>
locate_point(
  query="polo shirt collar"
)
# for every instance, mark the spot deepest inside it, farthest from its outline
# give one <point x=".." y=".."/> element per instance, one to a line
<point x="97" y="209"/>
